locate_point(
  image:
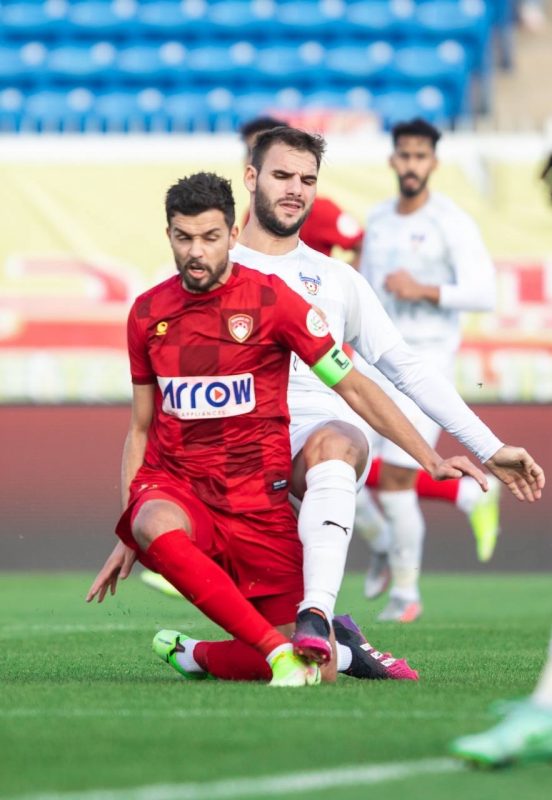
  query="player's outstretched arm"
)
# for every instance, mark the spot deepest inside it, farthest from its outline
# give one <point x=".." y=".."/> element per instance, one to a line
<point x="381" y="413"/>
<point x="118" y="565"/>
<point x="518" y="470"/>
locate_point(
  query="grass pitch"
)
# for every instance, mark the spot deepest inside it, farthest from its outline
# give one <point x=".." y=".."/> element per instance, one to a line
<point x="85" y="705"/>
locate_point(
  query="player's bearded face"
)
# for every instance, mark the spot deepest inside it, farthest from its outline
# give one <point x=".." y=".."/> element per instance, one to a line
<point x="272" y="217"/>
<point x="198" y="276"/>
<point x="284" y="189"/>
<point x="200" y="246"/>
<point x="413" y="161"/>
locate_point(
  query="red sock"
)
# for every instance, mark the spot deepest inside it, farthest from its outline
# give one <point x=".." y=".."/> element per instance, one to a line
<point x="374" y="474"/>
<point x="232" y="661"/>
<point x="208" y="587"/>
<point x="428" y="487"/>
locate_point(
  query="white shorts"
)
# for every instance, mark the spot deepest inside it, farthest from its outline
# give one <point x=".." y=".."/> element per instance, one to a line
<point x="389" y="452"/>
<point x="303" y="424"/>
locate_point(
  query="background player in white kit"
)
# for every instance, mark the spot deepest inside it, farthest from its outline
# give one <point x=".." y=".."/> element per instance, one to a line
<point x="426" y="262"/>
<point x="330" y="443"/>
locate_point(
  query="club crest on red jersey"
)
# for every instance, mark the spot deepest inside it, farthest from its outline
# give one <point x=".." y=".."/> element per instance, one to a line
<point x="240" y="326"/>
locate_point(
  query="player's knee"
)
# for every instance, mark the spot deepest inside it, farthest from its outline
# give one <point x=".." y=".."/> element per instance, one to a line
<point x="155" y="518"/>
<point x="327" y="444"/>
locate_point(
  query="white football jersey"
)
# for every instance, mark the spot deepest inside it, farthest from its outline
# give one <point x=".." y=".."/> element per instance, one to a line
<point x="352" y="311"/>
<point x="355" y="316"/>
<point x="438" y="245"/>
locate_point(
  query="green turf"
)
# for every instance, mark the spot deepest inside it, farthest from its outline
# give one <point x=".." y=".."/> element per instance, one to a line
<point x="84" y="703"/>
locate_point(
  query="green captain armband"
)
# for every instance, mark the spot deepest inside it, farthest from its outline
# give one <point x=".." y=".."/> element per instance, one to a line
<point x="332" y="367"/>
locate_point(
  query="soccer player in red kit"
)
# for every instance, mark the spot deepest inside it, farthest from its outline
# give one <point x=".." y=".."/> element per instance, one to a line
<point x="207" y="460"/>
<point x="208" y="450"/>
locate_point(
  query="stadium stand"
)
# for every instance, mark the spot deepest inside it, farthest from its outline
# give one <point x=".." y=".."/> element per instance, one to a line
<point x="427" y="56"/>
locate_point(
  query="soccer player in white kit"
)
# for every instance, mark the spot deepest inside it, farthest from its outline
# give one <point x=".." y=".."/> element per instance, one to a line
<point x="426" y="261"/>
<point x="330" y="445"/>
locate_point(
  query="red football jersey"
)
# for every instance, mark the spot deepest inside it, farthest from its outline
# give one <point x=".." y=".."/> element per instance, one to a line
<point x="220" y="361"/>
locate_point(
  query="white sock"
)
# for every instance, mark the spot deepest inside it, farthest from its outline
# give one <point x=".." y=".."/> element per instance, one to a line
<point x="186" y="658"/>
<point x="370" y="522"/>
<point x="325" y="525"/>
<point x="402" y="512"/>
<point x="542" y="696"/>
<point x="282" y="648"/>
<point x="344" y="656"/>
<point x="469" y="492"/>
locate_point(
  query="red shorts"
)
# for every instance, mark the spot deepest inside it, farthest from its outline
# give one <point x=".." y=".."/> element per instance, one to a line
<point x="260" y="550"/>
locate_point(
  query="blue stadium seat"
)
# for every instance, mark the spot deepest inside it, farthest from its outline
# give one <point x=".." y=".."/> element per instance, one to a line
<point x="11" y="105"/>
<point x="187" y="112"/>
<point x="243" y="19"/>
<point x="398" y="105"/>
<point x="100" y="19"/>
<point x="301" y="65"/>
<point x="303" y="19"/>
<point x="56" y="111"/>
<point x="253" y="104"/>
<point x="444" y="66"/>
<point x="152" y="64"/>
<point x="360" y="63"/>
<point x="127" y="112"/>
<point x="172" y="18"/>
<point x="81" y="63"/>
<point x="27" y="20"/>
<point x="466" y="21"/>
<point x="357" y="98"/>
<point x="20" y="65"/>
<point x="212" y="64"/>
<point x="389" y="20"/>
<point x="220" y="103"/>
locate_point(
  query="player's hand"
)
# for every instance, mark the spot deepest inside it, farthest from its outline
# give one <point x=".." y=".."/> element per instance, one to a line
<point x="455" y="467"/>
<point x="401" y="284"/>
<point x="518" y="471"/>
<point x="118" y="565"/>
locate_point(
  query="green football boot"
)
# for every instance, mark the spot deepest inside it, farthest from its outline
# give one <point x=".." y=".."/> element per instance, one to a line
<point x="290" y="670"/>
<point x="485" y="520"/>
<point x="156" y="581"/>
<point x="166" y="644"/>
<point x="525" y="734"/>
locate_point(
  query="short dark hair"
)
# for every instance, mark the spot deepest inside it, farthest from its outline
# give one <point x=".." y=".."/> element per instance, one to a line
<point x="201" y="192"/>
<point x="259" y="124"/>
<point x="295" y="139"/>
<point x="416" y="127"/>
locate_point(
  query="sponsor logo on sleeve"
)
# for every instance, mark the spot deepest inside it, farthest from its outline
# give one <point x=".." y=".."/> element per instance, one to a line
<point x="240" y="327"/>
<point x="312" y="285"/>
<point x="316" y="325"/>
<point x="161" y="328"/>
<point x="208" y="396"/>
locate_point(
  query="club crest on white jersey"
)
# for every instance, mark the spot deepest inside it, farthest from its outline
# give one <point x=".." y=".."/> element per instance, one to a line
<point x="208" y="396"/>
<point x="312" y="285"/>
